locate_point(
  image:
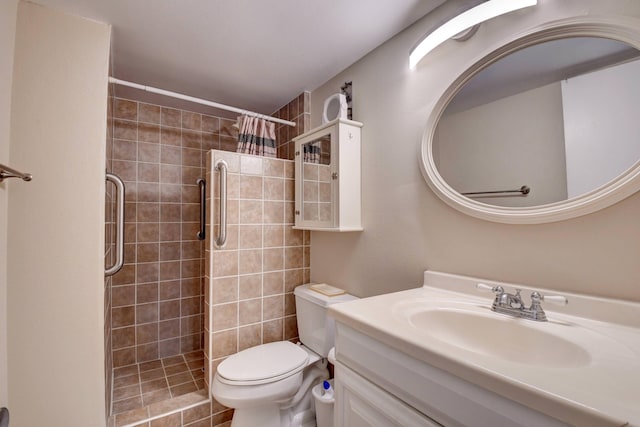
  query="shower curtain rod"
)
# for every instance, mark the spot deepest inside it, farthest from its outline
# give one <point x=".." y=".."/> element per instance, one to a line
<point x="199" y="101"/>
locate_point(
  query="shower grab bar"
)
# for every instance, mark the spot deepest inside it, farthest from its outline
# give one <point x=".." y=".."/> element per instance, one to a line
<point x="7" y="172"/>
<point x="522" y="191"/>
<point x="222" y="166"/>
<point x="119" y="224"/>
<point x="203" y="208"/>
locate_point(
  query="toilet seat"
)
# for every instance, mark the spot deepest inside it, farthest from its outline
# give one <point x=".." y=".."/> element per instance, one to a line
<point x="263" y="364"/>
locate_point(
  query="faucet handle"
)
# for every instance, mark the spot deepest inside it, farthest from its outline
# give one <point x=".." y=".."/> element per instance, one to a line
<point x="486" y="288"/>
<point x="554" y="299"/>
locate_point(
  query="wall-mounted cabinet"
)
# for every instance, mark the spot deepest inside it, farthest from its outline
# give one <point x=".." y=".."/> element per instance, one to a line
<point x="327" y="177"/>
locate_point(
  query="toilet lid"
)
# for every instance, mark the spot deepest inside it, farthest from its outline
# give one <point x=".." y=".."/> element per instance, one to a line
<point x="264" y="363"/>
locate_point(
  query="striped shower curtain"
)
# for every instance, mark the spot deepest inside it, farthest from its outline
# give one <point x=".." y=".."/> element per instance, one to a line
<point x="311" y="152"/>
<point x="257" y="136"/>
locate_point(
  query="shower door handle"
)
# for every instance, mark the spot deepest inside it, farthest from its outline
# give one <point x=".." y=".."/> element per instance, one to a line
<point x="202" y="184"/>
<point x="222" y="166"/>
<point x="119" y="224"/>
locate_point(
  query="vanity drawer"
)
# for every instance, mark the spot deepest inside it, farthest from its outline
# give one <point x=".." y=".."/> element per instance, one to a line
<point x="359" y="403"/>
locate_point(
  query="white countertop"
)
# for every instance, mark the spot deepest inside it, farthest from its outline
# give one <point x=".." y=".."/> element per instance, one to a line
<point x="603" y="388"/>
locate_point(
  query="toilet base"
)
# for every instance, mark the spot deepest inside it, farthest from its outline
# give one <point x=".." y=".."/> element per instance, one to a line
<point x="267" y="416"/>
<point x="297" y="412"/>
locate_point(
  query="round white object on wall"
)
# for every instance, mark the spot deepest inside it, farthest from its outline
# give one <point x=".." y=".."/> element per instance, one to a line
<point x="335" y="107"/>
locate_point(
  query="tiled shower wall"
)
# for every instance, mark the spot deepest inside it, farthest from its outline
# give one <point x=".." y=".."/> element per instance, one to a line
<point x="157" y="304"/>
<point x="298" y="111"/>
<point x="252" y="277"/>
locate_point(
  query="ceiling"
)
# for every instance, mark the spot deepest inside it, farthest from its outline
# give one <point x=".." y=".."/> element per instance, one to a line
<point x="256" y="55"/>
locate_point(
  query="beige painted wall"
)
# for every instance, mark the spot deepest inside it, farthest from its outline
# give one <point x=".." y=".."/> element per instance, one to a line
<point x="8" y="11"/>
<point x="56" y="222"/>
<point x="409" y="229"/>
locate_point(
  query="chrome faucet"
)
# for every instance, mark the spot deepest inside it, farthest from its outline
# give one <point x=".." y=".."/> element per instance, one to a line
<point x="513" y="304"/>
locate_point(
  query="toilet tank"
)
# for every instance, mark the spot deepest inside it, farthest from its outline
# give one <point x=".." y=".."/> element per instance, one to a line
<point x="315" y="328"/>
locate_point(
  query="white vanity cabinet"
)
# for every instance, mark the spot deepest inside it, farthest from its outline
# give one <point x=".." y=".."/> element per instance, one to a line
<point x="328" y="178"/>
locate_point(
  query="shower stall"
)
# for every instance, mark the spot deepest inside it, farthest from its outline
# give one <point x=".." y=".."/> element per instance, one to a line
<point x="156" y="299"/>
<point x="155" y="304"/>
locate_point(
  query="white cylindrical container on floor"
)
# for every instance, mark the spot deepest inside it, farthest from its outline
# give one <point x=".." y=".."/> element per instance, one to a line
<point x="324" y="405"/>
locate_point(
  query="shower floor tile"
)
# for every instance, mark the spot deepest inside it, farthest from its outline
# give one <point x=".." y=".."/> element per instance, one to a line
<point x="143" y="384"/>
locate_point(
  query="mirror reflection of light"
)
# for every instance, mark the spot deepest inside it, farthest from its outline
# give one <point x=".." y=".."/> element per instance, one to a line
<point x="468" y="19"/>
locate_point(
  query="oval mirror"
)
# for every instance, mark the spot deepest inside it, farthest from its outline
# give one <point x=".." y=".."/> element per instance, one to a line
<point x="539" y="131"/>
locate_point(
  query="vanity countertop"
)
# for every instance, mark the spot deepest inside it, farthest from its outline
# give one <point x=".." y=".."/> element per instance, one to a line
<point x="588" y="374"/>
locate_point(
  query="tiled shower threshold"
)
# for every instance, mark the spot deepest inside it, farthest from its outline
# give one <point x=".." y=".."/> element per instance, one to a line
<point x="151" y="390"/>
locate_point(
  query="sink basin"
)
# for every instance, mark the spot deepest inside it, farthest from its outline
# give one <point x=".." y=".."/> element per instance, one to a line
<point x="499" y="336"/>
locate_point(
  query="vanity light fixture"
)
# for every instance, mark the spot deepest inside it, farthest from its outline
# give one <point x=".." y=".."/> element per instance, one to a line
<point x="470" y="18"/>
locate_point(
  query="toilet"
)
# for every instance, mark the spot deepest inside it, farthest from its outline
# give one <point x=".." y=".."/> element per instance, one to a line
<point x="270" y="385"/>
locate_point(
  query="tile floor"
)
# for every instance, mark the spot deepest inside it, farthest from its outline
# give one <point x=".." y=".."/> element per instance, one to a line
<point x="140" y="385"/>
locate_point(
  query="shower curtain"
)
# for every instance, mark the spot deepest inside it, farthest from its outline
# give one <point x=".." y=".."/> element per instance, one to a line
<point x="257" y="136"/>
<point x="311" y="152"/>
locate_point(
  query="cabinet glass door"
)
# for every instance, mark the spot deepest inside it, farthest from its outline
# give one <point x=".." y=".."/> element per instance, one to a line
<point x="316" y="175"/>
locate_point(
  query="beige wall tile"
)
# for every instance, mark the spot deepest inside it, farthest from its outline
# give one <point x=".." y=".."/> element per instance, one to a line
<point x="250" y="261"/>
<point x="273" y="283"/>
<point x="251" y="165"/>
<point x="125" y="109"/>
<point x="250" y="211"/>
<point x="273" y="307"/>
<point x="224" y="290"/>
<point x="273" y="259"/>
<point x="273" y="167"/>
<point x="273" y="212"/>
<point x="250" y="236"/>
<point x="148" y="113"/>
<point x="171" y="117"/>
<point x="226" y="263"/>
<point x="224" y="343"/>
<point x="293" y="278"/>
<point x="293" y="257"/>
<point x="249" y="336"/>
<point x="250" y="311"/>
<point x="290" y="327"/>
<point x="250" y="286"/>
<point x="273" y="235"/>
<point x="272" y="331"/>
<point x="251" y="187"/>
<point x="274" y="188"/>
<point x="225" y="316"/>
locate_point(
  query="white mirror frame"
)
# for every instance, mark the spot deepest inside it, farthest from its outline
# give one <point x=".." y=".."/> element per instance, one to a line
<point x="623" y="29"/>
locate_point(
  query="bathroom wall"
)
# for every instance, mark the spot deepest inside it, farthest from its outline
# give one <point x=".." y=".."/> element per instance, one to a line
<point x="8" y="11"/>
<point x="55" y="260"/>
<point x="250" y="297"/>
<point x="408" y="229"/>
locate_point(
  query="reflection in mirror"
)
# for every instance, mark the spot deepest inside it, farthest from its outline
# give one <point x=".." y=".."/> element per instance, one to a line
<point x="559" y="117"/>
<point x="316" y="176"/>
